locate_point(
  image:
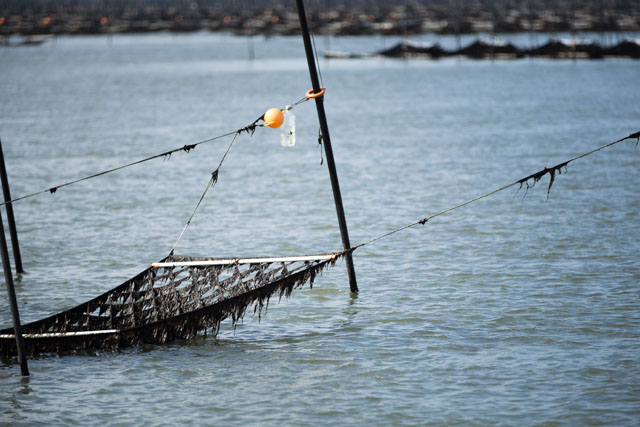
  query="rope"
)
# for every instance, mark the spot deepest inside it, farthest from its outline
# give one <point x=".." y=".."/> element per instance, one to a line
<point x="315" y="54"/>
<point x="523" y="181"/>
<point x="186" y="148"/>
<point x="211" y="183"/>
<point x="214" y="175"/>
<point x="302" y="100"/>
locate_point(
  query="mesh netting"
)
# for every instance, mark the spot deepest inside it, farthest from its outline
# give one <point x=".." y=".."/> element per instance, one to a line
<point x="166" y="303"/>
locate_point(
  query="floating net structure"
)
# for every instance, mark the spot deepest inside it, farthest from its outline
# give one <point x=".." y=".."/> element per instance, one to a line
<point x="180" y="297"/>
<point x="489" y="49"/>
<point x="174" y="299"/>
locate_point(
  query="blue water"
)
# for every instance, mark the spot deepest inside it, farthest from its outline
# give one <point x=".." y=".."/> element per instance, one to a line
<point x="508" y="311"/>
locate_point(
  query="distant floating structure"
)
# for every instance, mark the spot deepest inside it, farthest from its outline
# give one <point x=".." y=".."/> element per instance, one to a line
<point x="33" y="40"/>
<point x="495" y="49"/>
<point x="408" y="49"/>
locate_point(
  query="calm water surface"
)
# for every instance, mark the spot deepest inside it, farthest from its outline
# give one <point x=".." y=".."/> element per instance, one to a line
<point x="509" y="311"/>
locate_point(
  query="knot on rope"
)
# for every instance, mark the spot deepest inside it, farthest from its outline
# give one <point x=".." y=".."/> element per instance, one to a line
<point x="423" y="221"/>
<point x="52" y="190"/>
<point x="188" y="147"/>
<point x="250" y="129"/>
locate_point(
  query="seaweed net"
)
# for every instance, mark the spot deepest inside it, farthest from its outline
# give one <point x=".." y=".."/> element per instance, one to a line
<point x="174" y="299"/>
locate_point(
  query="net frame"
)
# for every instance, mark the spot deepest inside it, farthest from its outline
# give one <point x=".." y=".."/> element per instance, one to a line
<point x="174" y="299"/>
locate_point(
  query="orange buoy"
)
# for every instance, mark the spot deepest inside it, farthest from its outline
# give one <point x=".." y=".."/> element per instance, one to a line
<point x="273" y="118"/>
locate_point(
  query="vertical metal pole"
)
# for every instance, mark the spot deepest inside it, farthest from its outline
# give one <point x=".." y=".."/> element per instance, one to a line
<point x="12" y="223"/>
<point x="13" y="303"/>
<point x="322" y="118"/>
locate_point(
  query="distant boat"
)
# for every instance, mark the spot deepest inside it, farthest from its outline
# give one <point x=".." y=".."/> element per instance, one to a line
<point x="33" y="40"/>
<point x="37" y="39"/>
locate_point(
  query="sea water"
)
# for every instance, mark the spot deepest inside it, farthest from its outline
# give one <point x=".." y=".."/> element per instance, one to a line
<point x="512" y="310"/>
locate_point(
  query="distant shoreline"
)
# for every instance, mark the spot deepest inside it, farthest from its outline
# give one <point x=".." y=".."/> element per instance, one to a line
<point x="36" y="36"/>
<point x="344" y="18"/>
<point x="141" y="28"/>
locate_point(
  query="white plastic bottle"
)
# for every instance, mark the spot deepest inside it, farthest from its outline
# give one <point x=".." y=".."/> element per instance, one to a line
<point x="288" y="130"/>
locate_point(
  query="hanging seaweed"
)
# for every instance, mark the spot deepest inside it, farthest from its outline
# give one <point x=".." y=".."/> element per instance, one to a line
<point x="528" y="181"/>
<point x="180" y="298"/>
<point x="535" y="177"/>
<point x="531" y="180"/>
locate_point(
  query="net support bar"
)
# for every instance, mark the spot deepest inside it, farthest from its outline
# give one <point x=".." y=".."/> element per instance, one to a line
<point x="62" y="334"/>
<point x="325" y="257"/>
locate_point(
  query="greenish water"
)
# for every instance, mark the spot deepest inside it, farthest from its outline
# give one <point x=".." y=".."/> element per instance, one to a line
<point x="509" y="311"/>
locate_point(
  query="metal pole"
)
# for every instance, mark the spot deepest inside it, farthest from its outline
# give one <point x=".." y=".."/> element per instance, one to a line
<point x="13" y="303"/>
<point x="322" y="118"/>
<point x="12" y="223"/>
